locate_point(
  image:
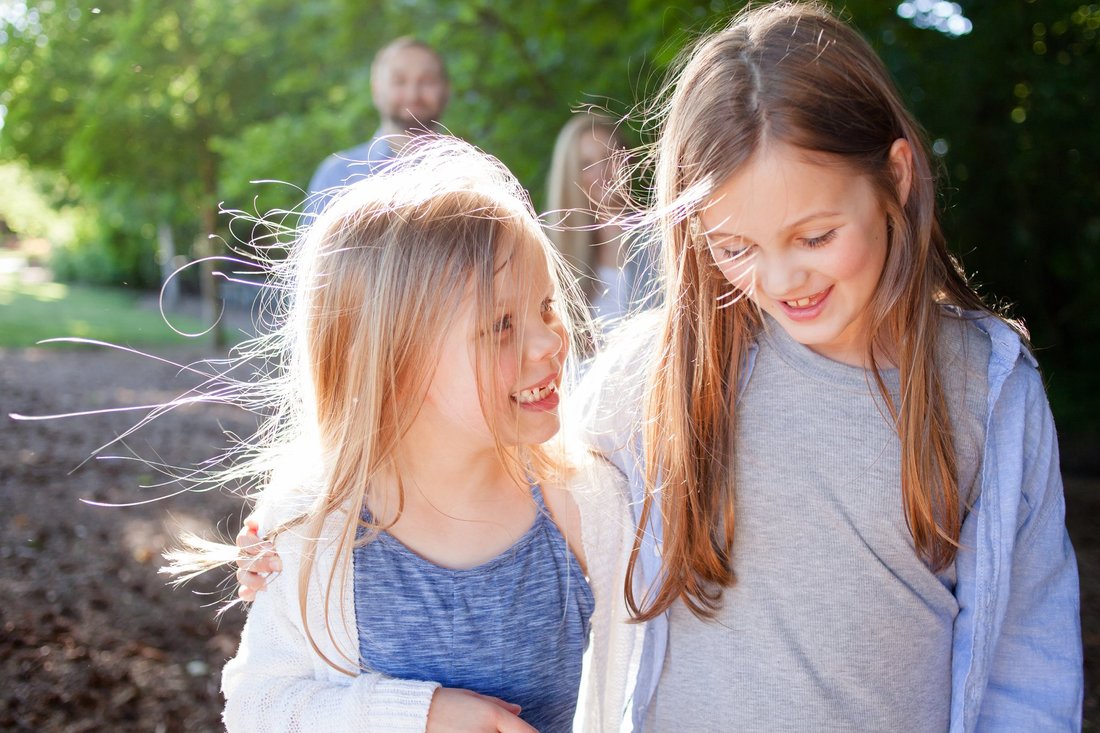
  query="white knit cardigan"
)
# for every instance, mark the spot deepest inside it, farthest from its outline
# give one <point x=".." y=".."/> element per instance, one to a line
<point x="277" y="682"/>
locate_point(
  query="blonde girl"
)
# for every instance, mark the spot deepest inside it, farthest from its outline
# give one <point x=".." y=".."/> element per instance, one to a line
<point x="434" y="541"/>
<point x="844" y="469"/>
<point x="584" y="208"/>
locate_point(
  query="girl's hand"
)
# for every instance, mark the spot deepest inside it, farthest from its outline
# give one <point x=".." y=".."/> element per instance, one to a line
<point x="462" y="711"/>
<point x="258" y="560"/>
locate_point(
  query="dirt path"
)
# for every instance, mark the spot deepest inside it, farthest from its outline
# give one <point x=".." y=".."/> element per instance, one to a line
<point x="92" y="638"/>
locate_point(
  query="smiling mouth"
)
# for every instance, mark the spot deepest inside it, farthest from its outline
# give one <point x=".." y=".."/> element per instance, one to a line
<point x="535" y="394"/>
<point x="807" y="302"/>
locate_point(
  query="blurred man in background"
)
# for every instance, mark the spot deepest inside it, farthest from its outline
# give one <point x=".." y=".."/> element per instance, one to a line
<point x="410" y="89"/>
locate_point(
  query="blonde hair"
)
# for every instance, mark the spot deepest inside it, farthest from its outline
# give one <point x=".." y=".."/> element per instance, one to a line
<point x="791" y="73"/>
<point x="373" y="286"/>
<point x="572" y="218"/>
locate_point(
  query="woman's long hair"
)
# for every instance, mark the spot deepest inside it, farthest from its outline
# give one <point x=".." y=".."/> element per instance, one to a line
<point x="372" y="288"/>
<point x="786" y="73"/>
<point x="572" y="224"/>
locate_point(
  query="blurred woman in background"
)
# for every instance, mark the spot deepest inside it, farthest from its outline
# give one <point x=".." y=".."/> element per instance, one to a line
<point x="584" y="211"/>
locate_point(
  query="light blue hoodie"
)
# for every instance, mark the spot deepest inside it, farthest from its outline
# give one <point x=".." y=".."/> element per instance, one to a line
<point x="1017" y="656"/>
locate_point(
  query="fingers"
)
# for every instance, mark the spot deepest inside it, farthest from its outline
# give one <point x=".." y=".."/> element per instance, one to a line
<point x="511" y="707"/>
<point x="257" y="562"/>
<point x="246" y="594"/>
<point x="251" y="582"/>
<point x="512" y="724"/>
<point x="454" y="710"/>
<point x="260" y="558"/>
<point x="258" y="555"/>
<point x="249" y="536"/>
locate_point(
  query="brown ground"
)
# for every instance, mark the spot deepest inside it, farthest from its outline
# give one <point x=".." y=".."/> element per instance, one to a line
<point x="92" y="638"/>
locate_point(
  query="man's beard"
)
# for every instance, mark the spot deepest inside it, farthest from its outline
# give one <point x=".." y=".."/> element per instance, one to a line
<point x="410" y="123"/>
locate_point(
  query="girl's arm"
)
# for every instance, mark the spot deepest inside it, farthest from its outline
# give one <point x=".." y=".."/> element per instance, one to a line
<point x="614" y="650"/>
<point x="1036" y="670"/>
<point x="278" y="682"/>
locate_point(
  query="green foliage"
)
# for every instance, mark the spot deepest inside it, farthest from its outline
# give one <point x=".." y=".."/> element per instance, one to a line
<point x="157" y="110"/>
<point x="1009" y="102"/>
<point x="33" y="204"/>
<point x="526" y="66"/>
<point x="107" y="250"/>
<point x="30" y="312"/>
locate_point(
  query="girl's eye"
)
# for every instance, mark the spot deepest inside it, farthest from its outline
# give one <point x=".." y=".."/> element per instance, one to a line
<point x="731" y="256"/>
<point x="502" y="325"/>
<point x="821" y="241"/>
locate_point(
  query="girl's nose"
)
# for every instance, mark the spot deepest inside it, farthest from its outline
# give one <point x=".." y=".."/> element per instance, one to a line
<point x="779" y="276"/>
<point x="543" y="341"/>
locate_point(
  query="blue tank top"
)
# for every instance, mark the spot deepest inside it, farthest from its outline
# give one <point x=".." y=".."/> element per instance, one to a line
<point x="514" y="627"/>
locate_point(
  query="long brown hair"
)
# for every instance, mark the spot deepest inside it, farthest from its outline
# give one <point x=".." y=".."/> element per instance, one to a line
<point x="791" y="73"/>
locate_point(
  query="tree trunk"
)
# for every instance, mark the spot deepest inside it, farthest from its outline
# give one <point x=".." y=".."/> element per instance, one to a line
<point x="166" y="250"/>
<point x="207" y="247"/>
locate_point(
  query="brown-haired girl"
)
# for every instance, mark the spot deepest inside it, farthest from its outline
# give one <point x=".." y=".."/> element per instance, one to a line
<point x="844" y="468"/>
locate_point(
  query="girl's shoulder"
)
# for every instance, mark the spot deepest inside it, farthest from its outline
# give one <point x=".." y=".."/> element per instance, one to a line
<point x="590" y="507"/>
<point x="987" y="341"/>
<point x="590" y="471"/>
<point x="588" y="479"/>
<point x="610" y="395"/>
<point x="964" y="345"/>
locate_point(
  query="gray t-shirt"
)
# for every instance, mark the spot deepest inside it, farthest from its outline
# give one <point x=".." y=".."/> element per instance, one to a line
<point x="834" y="623"/>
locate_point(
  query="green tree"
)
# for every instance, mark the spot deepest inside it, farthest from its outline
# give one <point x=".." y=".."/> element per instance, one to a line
<point x="158" y="110"/>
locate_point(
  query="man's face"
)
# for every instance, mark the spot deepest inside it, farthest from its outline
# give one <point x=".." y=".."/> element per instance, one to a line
<point x="409" y="88"/>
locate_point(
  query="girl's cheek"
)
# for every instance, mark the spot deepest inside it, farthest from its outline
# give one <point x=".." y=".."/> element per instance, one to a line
<point x="739" y="277"/>
<point x="563" y="334"/>
<point x="736" y="275"/>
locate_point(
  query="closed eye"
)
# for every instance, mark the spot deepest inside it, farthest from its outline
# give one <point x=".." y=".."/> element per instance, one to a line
<point x="738" y="259"/>
<point x="729" y="254"/>
<point x="813" y="242"/>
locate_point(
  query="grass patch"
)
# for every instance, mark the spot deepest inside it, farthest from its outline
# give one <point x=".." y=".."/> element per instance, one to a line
<point x="30" y="312"/>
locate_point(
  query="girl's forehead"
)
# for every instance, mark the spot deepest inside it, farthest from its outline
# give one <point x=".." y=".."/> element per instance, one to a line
<point x="779" y="185"/>
<point x="521" y="264"/>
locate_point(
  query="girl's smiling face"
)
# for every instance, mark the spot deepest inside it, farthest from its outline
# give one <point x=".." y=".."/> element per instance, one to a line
<point x="517" y="395"/>
<point x="806" y="241"/>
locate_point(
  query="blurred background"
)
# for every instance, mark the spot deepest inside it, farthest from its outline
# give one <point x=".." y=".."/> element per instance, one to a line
<point x="127" y="125"/>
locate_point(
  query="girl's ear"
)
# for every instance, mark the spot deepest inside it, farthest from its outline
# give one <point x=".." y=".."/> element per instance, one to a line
<point x="901" y="163"/>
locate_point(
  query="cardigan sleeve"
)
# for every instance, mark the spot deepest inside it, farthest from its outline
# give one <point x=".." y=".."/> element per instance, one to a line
<point x="613" y="654"/>
<point x="1036" y="670"/>
<point x="278" y="682"/>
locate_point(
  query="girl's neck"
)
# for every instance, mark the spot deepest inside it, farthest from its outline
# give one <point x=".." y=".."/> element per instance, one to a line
<point x="438" y="475"/>
<point x="458" y="509"/>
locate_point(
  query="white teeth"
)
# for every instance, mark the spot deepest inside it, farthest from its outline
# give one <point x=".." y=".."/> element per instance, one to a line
<point x="534" y="395"/>
<point x="800" y="303"/>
